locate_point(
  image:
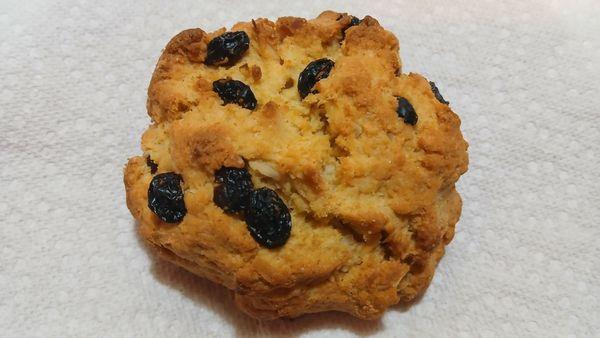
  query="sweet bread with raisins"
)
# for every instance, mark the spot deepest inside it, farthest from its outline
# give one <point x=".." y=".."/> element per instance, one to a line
<point x="295" y="164"/>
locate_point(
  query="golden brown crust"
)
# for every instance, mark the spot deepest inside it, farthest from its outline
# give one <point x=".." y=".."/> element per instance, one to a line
<point x="202" y="147"/>
<point x="372" y="198"/>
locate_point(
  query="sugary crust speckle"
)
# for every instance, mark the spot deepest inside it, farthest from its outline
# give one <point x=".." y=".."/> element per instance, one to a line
<point x="372" y="199"/>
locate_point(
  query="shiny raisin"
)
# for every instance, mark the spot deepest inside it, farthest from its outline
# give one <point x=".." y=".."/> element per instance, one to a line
<point x="165" y="197"/>
<point x="234" y="91"/>
<point x="436" y="93"/>
<point x="268" y="218"/>
<point x="406" y="111"/>
<point x="235" y="186"/>
<point x="152" y="165"/>
<point x="227" y="48"/>
<point x="315" y="71"/>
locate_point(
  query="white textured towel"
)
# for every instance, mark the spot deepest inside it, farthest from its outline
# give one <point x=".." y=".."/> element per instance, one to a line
<point x="524" y="77"/>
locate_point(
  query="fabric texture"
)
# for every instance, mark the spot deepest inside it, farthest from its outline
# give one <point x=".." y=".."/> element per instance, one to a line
<point x="522" y="75"/>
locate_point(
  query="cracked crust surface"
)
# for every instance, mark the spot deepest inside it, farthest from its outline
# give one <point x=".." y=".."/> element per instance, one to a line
<point x="372" y="199"/>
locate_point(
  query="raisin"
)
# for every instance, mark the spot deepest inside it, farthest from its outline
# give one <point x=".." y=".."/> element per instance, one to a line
<point x="354" y="21"/>
<point x="234" y="189"/>
<point x="165" y="197"/>
<point x="406" y="111"/>
<point x="234" y="91"/>
<point x="436" y="93"/>
<point x="315" y="71"/>
<point x="268" y="218"/>
<point x="227" y="48"/>
<point x="152" y="165"/>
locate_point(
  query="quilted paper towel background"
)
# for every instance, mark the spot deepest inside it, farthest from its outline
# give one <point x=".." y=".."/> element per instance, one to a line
<point x="523" y="76"/>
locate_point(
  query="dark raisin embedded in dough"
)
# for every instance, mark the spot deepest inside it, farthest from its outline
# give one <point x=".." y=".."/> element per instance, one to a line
<point x="406" y="111"/>
<point x="227" y="48"/>
<point x="152" y="165"/>
<point x="436" y="93"/>
<point x="235" y="186"/>
<point x="354" y="21"/>
<point x="268" y="218"/>
<point x="313" y="73"/>
<point x="165" y="197"/>
<point x="234" y="91"/>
